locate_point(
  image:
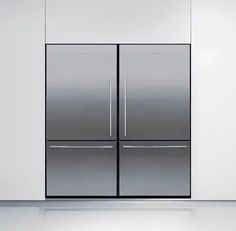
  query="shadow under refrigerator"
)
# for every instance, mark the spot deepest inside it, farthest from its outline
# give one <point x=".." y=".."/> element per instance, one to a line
<point x="118" y="120"/>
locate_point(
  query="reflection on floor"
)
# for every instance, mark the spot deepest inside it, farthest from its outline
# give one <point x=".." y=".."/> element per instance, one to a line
<point x="114" y="215"/>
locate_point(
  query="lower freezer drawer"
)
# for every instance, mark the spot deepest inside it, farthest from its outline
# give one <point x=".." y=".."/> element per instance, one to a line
<point x="81" y="168"/>
<point x="155" y="168"/>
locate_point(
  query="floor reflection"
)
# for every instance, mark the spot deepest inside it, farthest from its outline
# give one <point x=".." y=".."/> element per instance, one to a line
<point x="118" y="215"/>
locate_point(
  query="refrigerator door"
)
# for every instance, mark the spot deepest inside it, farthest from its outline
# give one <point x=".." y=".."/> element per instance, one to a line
<point x="155" y="168"/>
<point x="81" y="92"/>
<point x="155" y="92"/>
<point x="81" y="168"/>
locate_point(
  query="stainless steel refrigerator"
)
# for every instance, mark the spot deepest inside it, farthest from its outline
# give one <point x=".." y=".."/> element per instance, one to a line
<point x="118" y="120"/>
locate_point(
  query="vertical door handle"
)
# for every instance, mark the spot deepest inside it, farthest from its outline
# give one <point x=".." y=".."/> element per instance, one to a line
<point x="125" y="106"/>
<point x="110" y="105"/>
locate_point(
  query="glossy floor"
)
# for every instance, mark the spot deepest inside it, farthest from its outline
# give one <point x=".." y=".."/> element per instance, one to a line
<point x="136" y="215"/>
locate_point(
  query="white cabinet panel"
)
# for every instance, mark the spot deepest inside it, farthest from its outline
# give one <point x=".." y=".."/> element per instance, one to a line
<point x="22" y="90"/>
<point x="118" y="21"/>
<point x="213" y="99"/>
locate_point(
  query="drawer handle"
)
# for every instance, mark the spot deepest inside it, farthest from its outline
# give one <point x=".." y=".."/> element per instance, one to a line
<point x="79" y="147"/>
<point x="155" y="146"/>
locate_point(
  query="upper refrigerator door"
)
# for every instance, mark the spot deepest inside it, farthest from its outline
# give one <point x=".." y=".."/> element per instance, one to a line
<point x="81" y="92"/>
<point x="155" y="92"/>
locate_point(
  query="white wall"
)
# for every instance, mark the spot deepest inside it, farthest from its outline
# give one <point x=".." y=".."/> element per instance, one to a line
<point x="22" y="99"/>
<point x="118" y="21"/>
<point x="214" y="99"/>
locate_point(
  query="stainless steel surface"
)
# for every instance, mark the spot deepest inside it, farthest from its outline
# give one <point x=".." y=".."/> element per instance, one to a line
<point x="81" y="92"/>
<point x="154" y="105"/>
<point x="155" y="171"/>
<point x="83" y="171"/>
<point x="84" y="146"/>
<point x="155" y="92"/>
<point x="155" y="146"/>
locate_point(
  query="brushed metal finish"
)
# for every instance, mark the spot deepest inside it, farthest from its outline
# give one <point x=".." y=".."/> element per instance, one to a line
<point x="155" y="171"/>
<point x="81" y="171"/>
<point x="156" y="103"/>
<point x="154" y="146"/>
<point x="78" y="147"/>
<point x="81" y="92"/>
